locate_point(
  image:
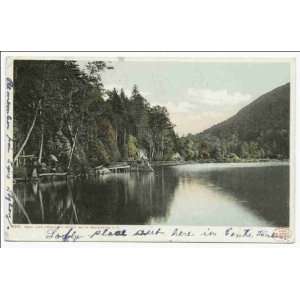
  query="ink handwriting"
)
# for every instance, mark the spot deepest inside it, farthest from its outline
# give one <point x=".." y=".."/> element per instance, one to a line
<point x="244" y="233"/>
<point x="108" y="232"/>
<point x="9" y="197"/>
<point x="65" y="236"/>
<point x="145" y="232"/>
<point x="9" y="86"/>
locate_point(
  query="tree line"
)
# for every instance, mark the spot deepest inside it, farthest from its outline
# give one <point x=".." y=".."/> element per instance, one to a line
<point x="63" y="110"/>
<point x="272" y="145"/>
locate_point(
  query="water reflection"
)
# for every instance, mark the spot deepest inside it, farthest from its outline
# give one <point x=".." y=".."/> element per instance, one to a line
<point x="110" y="199"/>
<point x="46" y="203"/>
<point x="255" y="194"/>
<point x="239" y="194"/>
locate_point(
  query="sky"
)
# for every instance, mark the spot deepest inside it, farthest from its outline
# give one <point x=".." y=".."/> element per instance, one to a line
<point x="197" y="94"/>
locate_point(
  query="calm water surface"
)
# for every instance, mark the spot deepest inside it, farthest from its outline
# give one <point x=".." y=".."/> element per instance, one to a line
<point x="243" y="194"/>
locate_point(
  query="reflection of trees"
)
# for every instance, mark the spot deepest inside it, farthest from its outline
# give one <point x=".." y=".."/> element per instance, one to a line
<point x="265" y="190"/>
<point x="138" y="198"/>
<point x="126" y="198"/>
<point x="112" y="199"/>
<point x="46" y="203"/>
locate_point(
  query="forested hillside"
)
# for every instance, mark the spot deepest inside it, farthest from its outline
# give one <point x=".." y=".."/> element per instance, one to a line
<point x="64" y="111"/>
<point x="259" y="130"/>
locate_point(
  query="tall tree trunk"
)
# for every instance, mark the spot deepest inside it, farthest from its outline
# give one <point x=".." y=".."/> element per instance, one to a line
<point x="126" y="143"/>
<point x="153" y="151"/>
<point x="40" y="116"/>
<point x="28" y="134"/>
<point x="162" y="147"/>
<point x="73" y="147"/>
<point x="42" y="145"/>
<point x="70" y="132"/>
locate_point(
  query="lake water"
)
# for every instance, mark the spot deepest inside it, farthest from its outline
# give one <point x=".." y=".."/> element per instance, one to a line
<point x="243" y="194"/>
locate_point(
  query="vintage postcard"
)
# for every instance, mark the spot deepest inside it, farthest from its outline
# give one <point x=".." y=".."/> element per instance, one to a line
<point x="163" y="149"/>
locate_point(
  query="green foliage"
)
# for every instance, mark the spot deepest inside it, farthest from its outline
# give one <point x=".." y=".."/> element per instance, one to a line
<point x="258" y="131"/>
<point x="97" y="154"/>
<point x="75" y="110"/>
<point x="108" y="136"/>
<point x="132" y="147"/>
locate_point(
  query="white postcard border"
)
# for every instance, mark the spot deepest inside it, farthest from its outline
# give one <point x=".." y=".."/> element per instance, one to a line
<point x="141" y="233"/>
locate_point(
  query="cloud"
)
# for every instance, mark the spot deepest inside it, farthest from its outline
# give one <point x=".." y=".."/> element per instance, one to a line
<point x="197" y="109"/>
<point x="181" y="107"/>
<point x="218" y="97"/>
<point x="195" y="122"/>
<point x="207" y="101"/>
<point x="201" y="108"/>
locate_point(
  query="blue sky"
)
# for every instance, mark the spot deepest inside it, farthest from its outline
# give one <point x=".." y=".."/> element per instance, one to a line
<point x="197" y="94"/>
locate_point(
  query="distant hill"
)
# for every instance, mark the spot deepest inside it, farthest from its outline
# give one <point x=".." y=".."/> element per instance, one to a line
<point x="264" y="122"/>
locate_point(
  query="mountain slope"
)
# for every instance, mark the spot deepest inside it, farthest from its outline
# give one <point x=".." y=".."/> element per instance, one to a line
<point x="265" y="121"/>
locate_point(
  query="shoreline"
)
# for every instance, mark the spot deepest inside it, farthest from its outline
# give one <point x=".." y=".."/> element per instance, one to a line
<point x="67" y="176"/>
<point x="190" y="162"/>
